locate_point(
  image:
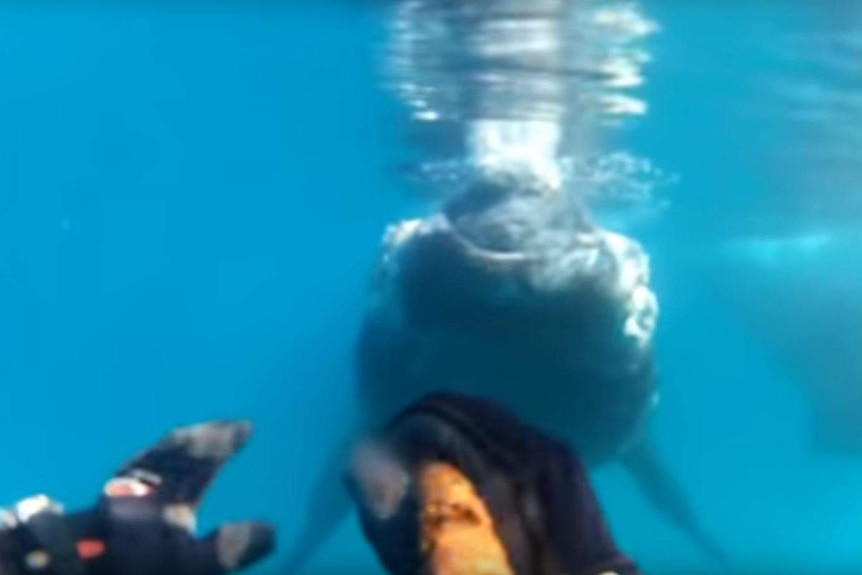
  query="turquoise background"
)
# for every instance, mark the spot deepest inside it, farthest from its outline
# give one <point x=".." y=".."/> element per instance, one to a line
<point x="191" y="197"/>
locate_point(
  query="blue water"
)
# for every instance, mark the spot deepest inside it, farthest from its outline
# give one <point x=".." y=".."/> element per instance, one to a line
<point x="191" y="199"/>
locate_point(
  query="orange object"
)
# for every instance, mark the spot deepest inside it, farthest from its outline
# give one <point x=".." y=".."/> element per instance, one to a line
<point x="90" y="548"/>
<point x="458" y="534"/>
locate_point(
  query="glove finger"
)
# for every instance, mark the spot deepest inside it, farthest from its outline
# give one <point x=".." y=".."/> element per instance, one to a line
<point x="178" y="469"/>
<point x="232" y="547"/>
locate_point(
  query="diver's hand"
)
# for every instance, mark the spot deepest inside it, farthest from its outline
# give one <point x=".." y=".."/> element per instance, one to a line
<point x="145" y="519"/>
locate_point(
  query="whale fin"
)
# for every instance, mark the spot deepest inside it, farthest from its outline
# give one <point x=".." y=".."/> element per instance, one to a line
<point x="328" y="506"/>
<point x="666" y="494"/>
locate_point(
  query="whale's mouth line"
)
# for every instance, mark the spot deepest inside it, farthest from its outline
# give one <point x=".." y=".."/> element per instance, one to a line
<point x="473" y="251"/>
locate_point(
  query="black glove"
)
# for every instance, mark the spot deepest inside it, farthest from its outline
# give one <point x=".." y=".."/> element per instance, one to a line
<point x="144" y="521"/>
<point x="535" y="488"/>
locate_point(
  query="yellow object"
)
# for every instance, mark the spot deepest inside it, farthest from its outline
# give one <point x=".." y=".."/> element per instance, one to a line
<point x="458" y="535"/>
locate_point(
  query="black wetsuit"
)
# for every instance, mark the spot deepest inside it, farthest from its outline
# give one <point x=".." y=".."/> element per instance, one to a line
<point x="535" y="487"/>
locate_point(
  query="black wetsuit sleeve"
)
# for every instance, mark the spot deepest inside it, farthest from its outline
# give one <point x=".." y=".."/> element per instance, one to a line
<point x="535" y="486"/>
<point x="572" y="521"/>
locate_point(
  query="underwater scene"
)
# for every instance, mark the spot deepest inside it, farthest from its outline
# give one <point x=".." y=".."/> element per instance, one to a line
<point x="635" y="224"/>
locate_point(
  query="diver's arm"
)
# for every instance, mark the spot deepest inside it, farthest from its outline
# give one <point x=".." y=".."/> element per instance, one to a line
<point x="458" y="486"/>
<point x="433" y="522"/>
<point x="458" y="531"/>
